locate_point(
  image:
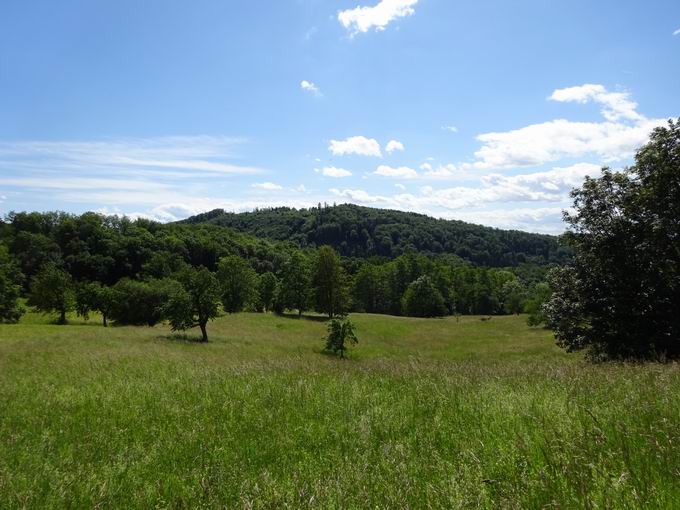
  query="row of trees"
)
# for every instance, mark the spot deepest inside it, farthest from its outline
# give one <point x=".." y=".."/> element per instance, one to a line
<point x="189" y="296"/>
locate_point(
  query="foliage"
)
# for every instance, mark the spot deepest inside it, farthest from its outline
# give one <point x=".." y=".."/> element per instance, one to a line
<point x="534" y="305"/>
<point x="52" y="292"/>
<point x="513" y="296"/>
<point x="10" y="288"/>
<point x="193" y="301"/>
<point x="422" y="299"/>
<point x="295" y="284"/>
<point x="341" y="331"/>
<point x="620" y="298"/>
<point x="141" y="303"/>
<point x="363" y="232"/>
<point x="238" y="282"/>
<point x="330" y="283"/>
<point x="267" y="287"/>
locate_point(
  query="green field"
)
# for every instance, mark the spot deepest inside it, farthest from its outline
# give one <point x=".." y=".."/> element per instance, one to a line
<point x="424" y="413"/>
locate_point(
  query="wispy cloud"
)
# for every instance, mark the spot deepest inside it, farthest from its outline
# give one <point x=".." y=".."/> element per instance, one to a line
<point x="186" y="154"/>
<point x="361" y="19"/>
<point x="269" y="186"/>
<point x="677" y="32"/>
<point x="402" y="172"/>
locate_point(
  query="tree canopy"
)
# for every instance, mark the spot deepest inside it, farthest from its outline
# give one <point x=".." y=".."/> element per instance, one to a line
<point x="621" y="296"/>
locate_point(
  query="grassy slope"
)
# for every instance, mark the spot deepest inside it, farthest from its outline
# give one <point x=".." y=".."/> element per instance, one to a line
<point x="426" y="412"/>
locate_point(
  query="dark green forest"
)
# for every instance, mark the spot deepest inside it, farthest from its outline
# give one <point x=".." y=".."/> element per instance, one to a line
<point x="361" y="232"/>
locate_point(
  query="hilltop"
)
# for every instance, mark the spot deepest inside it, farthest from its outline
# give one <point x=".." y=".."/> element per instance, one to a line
<point x="356" y="231"/>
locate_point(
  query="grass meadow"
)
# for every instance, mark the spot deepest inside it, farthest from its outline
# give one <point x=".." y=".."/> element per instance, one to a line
<point x="434" y="413"/>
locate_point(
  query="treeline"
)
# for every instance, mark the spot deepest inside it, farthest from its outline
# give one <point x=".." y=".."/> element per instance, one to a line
<point x="362" y="232"/>
<point x="132" y="272"/>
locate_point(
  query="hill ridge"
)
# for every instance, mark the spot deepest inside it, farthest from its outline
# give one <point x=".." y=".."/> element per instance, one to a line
<point x="360" y="231"/>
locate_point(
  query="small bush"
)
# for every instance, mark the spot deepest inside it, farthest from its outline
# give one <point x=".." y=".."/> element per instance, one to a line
<point x="340" y="332"/>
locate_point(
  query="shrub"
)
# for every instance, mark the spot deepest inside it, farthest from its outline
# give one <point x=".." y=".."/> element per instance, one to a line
<point x="340" y="332"/>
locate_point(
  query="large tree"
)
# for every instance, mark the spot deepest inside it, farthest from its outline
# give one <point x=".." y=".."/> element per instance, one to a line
<point x="422" y="299"/>
<point x="194" y="302"/>
<point x="94" y="297"/>
<point x="52" y="291"/>
<point x="140" y="303"/>
<point x="267" y="285"/>
<point x="330" y="283"/>
<point x="295" y="284"/>
<point x="238" y="281"/>
<point x="621" y="296"/>
<point x="10" y="288"/>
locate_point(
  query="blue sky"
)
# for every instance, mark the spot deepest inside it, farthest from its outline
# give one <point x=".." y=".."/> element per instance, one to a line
<point x="485" y="111"/>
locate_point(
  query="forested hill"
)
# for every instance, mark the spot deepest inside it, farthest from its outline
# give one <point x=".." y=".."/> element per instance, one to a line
<point x="356" y="231"/>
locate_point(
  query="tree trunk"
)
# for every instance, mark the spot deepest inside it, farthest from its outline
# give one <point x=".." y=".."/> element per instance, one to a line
<point x="204" y="333"/>
<point x="104" y="319"/>
<point x="62" y="317"/>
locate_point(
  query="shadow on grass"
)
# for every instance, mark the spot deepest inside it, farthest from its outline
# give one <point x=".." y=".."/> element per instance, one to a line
<point x="313" y="318"/>
<point x="182" y="338"/>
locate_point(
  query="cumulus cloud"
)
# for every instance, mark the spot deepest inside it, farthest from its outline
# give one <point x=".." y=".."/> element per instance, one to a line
<point x="537" y="144"/>
<point x="402" y="172"/>
<point x="394" y="145"/>
<point x="359" y="145"/>
<point x="331" y="171"/>
<point x="361" y="19"/>
<point x="617" y="138"/>
<point x="615" y="105"/>
<point x="269" y="186"/>
<point x="310" y="87"/>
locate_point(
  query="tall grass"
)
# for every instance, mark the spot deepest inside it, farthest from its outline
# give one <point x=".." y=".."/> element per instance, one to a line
<point x="425" y="413"/>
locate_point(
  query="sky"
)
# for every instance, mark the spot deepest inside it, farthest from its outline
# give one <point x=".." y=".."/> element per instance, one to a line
<point x="486" y="111"/>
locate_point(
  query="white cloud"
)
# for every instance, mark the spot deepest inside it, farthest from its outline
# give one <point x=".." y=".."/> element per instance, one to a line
<point x="550" y="141"/>
<point x="184" y="154"/>
<point x="441" y="172"/>
<point x="310" y="87"/>
<point x="558" y="180"/>
<point x="362" y="18"/>
<point x="360" y="196"/>
<point x="400" y="186"/>
<point x="452" y="129"/>
<point x="677" y="32"/>
<point x="402" y="172"/>
<point x="300" y="189"/>
<point x="359" y="145"/>
<point x="394" y="145"/>
<point x="623" y="132"/>
<point x="269" y="186"/>
<point x="616" y="105"/>
<point x="331" y="171"/>
<point x="547" y="220"/>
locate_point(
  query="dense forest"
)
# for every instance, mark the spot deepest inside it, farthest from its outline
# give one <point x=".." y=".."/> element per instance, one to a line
<point x="129" y="270"/>
<point x="362" y="232"/>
